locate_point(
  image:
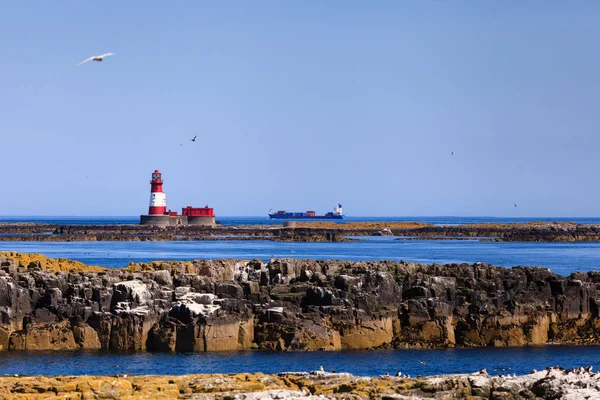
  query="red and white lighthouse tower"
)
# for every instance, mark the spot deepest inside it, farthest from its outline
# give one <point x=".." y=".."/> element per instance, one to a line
<point x="158" y="200"/>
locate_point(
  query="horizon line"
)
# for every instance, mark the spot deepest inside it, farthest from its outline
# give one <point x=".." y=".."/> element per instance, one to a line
<point x="266" y="217"/>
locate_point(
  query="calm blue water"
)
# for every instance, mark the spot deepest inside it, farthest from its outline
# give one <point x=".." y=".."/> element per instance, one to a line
<point x="264" y="220"/>
<point x="496" y="361"/>
<point x="562" y="258"/>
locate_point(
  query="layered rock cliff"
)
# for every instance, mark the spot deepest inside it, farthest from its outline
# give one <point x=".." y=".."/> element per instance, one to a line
<point x="289" y="304"/>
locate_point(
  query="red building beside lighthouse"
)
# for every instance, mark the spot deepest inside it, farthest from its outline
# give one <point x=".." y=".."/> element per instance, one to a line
<point x="159" y="216"/>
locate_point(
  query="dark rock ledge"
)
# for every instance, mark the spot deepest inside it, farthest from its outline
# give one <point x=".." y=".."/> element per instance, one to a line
<point x="289" y="304"/>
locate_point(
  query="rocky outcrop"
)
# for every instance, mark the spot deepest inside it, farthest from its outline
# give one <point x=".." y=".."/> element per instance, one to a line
<point x="552" y="383"/>
<point x="289" y="304"/>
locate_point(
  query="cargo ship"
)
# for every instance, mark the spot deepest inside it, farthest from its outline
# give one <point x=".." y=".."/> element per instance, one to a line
<point x="336" y="214"/>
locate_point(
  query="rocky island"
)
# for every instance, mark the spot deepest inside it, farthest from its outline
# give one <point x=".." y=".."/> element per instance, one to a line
<point x="289" y="304"/>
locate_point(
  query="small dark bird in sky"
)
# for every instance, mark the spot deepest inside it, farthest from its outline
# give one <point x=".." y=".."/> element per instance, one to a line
<point x="194" y="138"/>
<point x="451" y="153"/>
<point x="515" y="204"/>
<point x="98" y="58"/>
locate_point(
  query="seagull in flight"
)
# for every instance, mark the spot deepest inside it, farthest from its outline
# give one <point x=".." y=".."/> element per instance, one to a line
<point x="194" y="138"/>
<point x="422" y="362"/>
<point x="96" y="58"/>
<point x="451" y="153"/>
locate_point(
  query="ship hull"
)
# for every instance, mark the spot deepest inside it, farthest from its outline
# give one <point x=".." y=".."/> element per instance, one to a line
<point x="301" y="216"/>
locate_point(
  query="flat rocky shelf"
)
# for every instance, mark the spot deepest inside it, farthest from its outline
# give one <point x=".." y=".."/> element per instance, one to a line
<point x="552" y="383"/>
<point x="304" y="232"/>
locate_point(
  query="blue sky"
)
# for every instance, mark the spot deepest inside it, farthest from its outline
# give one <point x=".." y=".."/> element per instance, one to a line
<point x="301" y="104"/>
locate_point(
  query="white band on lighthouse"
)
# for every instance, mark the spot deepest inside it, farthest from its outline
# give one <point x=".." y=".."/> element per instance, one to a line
<point x="158" y="199"/>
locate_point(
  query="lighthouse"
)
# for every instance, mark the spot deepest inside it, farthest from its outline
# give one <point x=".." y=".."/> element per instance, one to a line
<point x="158" y="200"/>
<point x="160" y="217"/>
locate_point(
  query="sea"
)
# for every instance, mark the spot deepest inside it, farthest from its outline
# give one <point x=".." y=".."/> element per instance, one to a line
<point x="562" y="258"/>
<point x="363" y="363"/>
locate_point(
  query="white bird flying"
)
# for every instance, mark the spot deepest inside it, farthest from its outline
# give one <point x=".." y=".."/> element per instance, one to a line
<point x="96" y="58"/>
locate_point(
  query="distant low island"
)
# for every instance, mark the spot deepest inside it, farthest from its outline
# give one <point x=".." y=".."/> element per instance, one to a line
<point x="305" y="232"/>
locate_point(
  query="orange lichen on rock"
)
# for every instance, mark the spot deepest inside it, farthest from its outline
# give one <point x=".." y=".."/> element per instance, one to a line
<point x="362" y="225"/>
<point x="578" y="383"/>
<point x="180" y="266"/>
<point x="525" y="225"/>
<point x="33" y="260"/>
